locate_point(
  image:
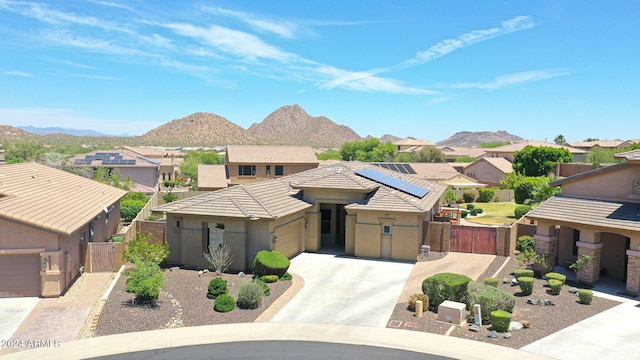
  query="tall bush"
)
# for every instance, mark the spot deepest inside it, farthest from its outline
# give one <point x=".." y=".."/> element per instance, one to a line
<point x="485" y="195"/>
<point x="468" y="197"/>
<point x="489" y="298"/>
<point x="445" y="286"/>
<point x="144" y="281"/>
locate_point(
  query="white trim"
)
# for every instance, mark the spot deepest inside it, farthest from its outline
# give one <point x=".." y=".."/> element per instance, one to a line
<point x="589" y="245"/>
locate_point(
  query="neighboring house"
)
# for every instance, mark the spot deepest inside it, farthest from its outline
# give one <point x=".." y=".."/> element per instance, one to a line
<point x="442" y="173"/>
<point x="351" y="206"/>
<point x="489" y="171"/>
<point x="45" y="214"/>
<point x="508" y="151"/>
<point x="170" y="159"/>
<point x="212" y="177"/>
<point x="605" y="144"/>
<point x="251" y="163"/>
<point x="452" y="153"/>
<point x="143" y="171"/>
<point x="598" y="214"/>
<point x="409" y="145"/>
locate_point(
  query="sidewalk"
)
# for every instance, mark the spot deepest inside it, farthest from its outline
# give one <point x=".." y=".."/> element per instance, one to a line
<point x="58" y="320"/>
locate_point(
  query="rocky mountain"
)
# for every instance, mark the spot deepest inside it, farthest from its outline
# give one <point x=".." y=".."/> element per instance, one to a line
<point x="469" y="139"/>
<point x="291" y="125"/>
<point x="10" y="133"/>
<point x="198" y="129"/>
<point x="60" y="130"/>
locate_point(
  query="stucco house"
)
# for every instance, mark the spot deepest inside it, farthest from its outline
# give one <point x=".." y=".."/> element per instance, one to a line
<point x="442" y="173"/>
<point x="45" y="214"/>
<point x="489" y="171"/>
<point x="452" y="153"/>
<point x="212" y="177"/>
<point x="251" y="163"/>
<point x="508" y="151"/>
<point x="410" y="145"/>
<point x="144" y="172"/>
<point x="360" y="209"/>
<point x="598" y="214"/>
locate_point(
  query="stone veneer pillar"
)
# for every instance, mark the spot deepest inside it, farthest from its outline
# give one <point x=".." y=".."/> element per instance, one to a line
<point x="633" y="272"/>
<point x="547" y="245"/>
<point x="590" y="272"/>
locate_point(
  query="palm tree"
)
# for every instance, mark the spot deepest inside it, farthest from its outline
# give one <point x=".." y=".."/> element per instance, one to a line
<point x="560" y="140"/>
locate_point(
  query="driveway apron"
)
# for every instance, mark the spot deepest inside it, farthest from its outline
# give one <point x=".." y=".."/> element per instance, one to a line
<point x="344" y="290"/>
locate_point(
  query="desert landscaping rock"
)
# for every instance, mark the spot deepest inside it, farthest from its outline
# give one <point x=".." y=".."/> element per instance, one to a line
<point x="492" y="334"/>
<point x="507" y="335"/>
<point x="515" y="326"/>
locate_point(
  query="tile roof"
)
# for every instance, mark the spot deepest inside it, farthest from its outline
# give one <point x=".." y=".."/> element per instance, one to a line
<point x="463" y="151"/>
<point x="112" y="158"/>
<point x="52" y="199"/>
<point x="270" y="154"/>
<point x="434" y="171"/>
<point x="522" y="144"/>
<point x="212" y="176"/>
<point x="589" y="173"/>
<point x="601" y="143"/>
<point x="499" y="163"/>
<point x="279" y="197"/>
<point x="632" y="155"/>
<point x="608" y="214"/>
<point x="412" y="142"/>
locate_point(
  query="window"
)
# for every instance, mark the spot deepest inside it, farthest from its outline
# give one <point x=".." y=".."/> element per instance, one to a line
<point x="215" y="234"/>
<point x="177" y="223"/>
<point x="576" y="238"/>
<point x="386" y="229"/>
<point x="279" y="170"/>
<point x="246" y="170"/>
<point x="268" y="170"/>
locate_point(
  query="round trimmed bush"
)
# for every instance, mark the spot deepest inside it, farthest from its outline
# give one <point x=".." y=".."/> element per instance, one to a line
<point x="491" y="282"/>
<point x="500" y="320"/>
<point x="250" y="295"/>
<point x="553" y="275"/>
<point x="270" y="262"/>
<point x="217" y="287"/>
<point x="422" y="297"/>
<point x="523" y="273"/>
<point x="555" y="285"/>
<point x="585" y="296"/>
<point x="445" y="286"/>
<point x="269" y="278"/>
<point x="265" y="288"/>
<point x="521" y="210"/>
<point x="526" y="285"/>
<point x="224" y="303"/>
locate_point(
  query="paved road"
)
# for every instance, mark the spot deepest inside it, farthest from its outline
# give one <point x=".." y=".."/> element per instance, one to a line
<point x="344" y="290"/>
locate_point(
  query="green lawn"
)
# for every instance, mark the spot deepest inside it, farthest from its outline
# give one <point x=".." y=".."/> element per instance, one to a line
<point x="494" y="213"/>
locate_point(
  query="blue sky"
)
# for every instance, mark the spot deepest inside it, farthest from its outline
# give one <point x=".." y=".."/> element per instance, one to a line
<point x="426" y="69"/>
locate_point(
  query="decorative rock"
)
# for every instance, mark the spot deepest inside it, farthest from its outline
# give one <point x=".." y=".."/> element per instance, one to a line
<point x="241" y="274"/>
<point x="515" y="326"/>
<point x="514" y="282"/>
<point x="174" y="268"/>
<point x="542" y="303"/>
<point x="573" y="290"/>
<point x="474" y="328"/>
<point x="506" y="280"/>
<point x="532" y="301"/>
<point x="492" y="334"/>
<point x="200" y="273"/>
<point x="525" y="323"/>
<point x="549" y="302"/>
<point x="205" y="271"/>
<point x="507" y="335"/>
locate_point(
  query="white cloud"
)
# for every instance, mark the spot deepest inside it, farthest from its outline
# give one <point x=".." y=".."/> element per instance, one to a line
<point x="99" y="77"/>
<point x="89" y="44"/>
<point x="283" y="28"/>
<point x="111" y="4"/>
<point x="18" y="73"/>
<point x="363" y="81"/>
<point x="512" y="79"/>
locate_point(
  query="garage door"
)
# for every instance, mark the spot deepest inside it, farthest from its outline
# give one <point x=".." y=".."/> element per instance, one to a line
<point x="288" y="239"/>
<point x="19" y="275"/>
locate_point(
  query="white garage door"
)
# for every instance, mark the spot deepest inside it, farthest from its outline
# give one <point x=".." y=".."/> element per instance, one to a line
<point x="19" y="275"/>
<point x="288" y="239"/>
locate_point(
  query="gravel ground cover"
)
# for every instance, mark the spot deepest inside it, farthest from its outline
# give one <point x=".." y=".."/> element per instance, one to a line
<point x="183" y="302"/>
<point x="544" y="320"/>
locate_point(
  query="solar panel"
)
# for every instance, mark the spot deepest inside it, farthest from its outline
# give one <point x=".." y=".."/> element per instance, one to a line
<point x="393" y="182"/>
<point x="408" y="169"/>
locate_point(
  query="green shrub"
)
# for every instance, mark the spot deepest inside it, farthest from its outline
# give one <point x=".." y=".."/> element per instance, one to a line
<point x="422" y="297"/>
<point x="491" y="282"/>
<point x="468" y="198"/>
<point x="464" y="213"/>
<point x="485" y="195"/>
<point x="129" y="209"/>
<point x="520" y="210"/>
<point x="224" y="303"/>
<point x="265" y="288"/>
<point x="286" y="277"/>
<point x="269" y="278"/>
<point x="217" y="287"/>
<point x="526" y="285"/>
<point x="523" y="191"/>
<point x="489" y="298"/>
<point x="470" y="206"/>
<point x="144" y="281"/>
<point x="522" y="272"/>
<point x="135" y="196"/>
<point x="585" y="296"/>
<point x="250" y="295"/>
<point x="500" y="320"/>
<point x="525" y="243"/>
<point x="270" y="262"/>
<point x="553" y="275"/>
<point x="445" y="286"/>
<point x="555" y="285"/>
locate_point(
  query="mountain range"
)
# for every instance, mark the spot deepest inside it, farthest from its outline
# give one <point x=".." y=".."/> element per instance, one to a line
<point x="287" y="125"/>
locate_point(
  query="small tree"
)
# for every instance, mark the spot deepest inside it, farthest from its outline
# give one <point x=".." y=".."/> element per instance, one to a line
<point x="579" y="265"/>
<point x="450" y="196"/>
<point x="144" y="281"/>
<point x="220" y="258"/>
<point x="139" y="249"/>
<point x="169" y="197"/>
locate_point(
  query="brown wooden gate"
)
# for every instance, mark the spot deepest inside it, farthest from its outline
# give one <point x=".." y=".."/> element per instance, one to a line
<point x="103" y="257"/>
<point x="474" y="239"/>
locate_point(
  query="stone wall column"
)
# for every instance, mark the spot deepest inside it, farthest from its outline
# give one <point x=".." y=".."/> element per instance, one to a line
<point x="547" y="245"/>
<point x="633" y="272"/>
<point x="590" y="274"/>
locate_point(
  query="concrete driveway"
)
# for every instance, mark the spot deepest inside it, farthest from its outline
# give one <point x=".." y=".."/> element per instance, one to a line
<point x="13" y="311"/>
<point x="344" y="290"/>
